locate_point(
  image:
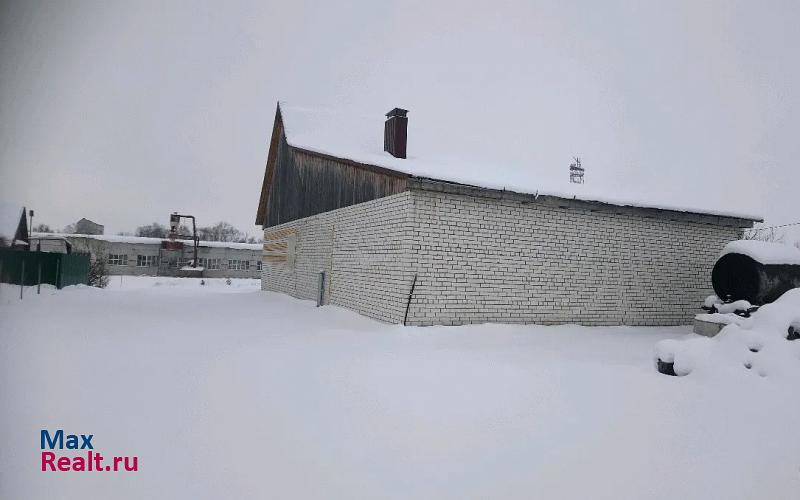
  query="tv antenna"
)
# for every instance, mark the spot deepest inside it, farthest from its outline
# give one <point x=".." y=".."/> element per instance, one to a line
<point x="576" y="171"/>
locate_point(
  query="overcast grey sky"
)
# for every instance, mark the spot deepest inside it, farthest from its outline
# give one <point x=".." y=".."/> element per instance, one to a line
<point x="122" y="112"/>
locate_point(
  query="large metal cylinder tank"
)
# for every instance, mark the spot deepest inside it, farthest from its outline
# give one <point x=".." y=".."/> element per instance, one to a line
<point x="737" y="276"/>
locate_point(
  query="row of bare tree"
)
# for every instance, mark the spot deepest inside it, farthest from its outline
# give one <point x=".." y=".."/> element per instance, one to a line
<point x="221" y="231"/>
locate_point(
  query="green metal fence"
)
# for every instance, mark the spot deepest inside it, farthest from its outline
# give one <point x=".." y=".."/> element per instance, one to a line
<point x="19" y="266"/>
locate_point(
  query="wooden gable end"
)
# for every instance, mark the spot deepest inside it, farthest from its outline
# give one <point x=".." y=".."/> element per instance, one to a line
<point x="300" y="183"/>
<point x="278" y="139"/>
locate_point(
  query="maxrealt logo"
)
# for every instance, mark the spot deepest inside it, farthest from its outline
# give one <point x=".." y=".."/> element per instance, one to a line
<point x="88" y="462"/>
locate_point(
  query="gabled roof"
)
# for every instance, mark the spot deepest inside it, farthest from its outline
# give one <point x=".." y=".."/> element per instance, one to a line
<point x="90" y="221"/>
<point x="272" y="158"/>
<point x="358" y="140"/>
<point x="21" y="235"/>
<point x="13" y="223"/>
<point x="9" y="219"/>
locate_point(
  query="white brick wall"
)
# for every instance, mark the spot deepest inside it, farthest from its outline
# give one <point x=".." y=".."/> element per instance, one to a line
<point x="488" y="260"/>
<point x="481" y="260"/>
<point x="364" y="250"/>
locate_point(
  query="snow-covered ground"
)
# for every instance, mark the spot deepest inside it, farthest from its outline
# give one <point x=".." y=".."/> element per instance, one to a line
<point x="223" y="391"/>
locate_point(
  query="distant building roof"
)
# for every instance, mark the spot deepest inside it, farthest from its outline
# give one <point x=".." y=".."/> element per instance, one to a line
<point x="86" y="226"/>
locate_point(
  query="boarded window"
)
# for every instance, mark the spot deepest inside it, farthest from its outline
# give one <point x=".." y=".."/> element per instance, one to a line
<point x="279" y="247"/>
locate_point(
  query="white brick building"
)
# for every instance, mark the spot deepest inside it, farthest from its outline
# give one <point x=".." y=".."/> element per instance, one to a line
<point x="141" y="256"/>
<point x="475" y="254"/>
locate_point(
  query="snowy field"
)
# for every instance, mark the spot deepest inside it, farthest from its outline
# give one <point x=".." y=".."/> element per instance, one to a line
<point x="223" y="391"/>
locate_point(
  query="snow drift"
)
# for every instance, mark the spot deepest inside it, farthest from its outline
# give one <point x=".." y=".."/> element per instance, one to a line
<point x="750" y="346"/>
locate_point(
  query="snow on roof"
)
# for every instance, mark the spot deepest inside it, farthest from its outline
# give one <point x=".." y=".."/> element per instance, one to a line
<point x="360" y="139"/>
<point x="52" y="236"/>
<point x="764" y="252"/>
<point x="154" y="241"/>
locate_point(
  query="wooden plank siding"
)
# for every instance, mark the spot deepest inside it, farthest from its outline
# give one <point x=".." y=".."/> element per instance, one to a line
<point x="299" y="183"/>
<point x="279" y="245"/>
<point x="277" y="142"/>
<point x="306" y="184"/>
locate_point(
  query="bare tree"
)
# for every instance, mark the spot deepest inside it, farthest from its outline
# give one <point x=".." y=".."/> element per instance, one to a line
<point x="763" y="234"/>
<point x="154" y="230"/>
<point x="221" y="231"/>
<point x="185" y="231"/>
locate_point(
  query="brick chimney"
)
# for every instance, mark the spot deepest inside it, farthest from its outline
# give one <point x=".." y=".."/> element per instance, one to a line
<point x="395" y="132"/>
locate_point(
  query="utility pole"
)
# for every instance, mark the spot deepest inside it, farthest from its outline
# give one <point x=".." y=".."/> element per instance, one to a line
<point x="174" y="223"/>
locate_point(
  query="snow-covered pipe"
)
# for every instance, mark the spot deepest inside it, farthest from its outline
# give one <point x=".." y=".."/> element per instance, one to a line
<point x="737" y="276"/>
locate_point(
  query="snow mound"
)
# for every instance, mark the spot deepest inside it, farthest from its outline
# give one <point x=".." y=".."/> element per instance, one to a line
<point x="725" y="318"/>
<point x="764" y="252"/>
<point x="754" y="346"/>
<point x="711" y="300"/>
<point x="730" y="307"/>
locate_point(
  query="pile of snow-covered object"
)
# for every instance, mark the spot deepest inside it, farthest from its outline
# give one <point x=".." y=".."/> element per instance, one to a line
<point x="754" y="326"/>
<point x="764" y="344"/>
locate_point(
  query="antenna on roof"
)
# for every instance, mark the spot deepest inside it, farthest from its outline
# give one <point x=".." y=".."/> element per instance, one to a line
<point x="576" y="171"/>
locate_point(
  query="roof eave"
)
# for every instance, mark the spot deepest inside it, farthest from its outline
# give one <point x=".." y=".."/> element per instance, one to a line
<point x="441" y="185"/>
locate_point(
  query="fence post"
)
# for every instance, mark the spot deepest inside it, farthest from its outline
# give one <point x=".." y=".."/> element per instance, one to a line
<point x="321" y="297"/>
<point x="58" y="275"/>
<point x="22" y="279"/>
<point x="39" y="280"/>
